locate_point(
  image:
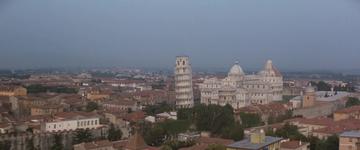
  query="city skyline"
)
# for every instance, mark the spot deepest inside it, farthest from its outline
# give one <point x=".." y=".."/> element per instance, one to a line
<point x="295" y="35"/>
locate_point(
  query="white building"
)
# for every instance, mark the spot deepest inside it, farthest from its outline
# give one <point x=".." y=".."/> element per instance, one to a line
<point x="183" y="83"/>
<point x="240" y="90"/>
<point x="67" y="121"/>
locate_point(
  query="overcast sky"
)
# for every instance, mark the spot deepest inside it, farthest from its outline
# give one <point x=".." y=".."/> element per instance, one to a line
<point x="295" y="34"/>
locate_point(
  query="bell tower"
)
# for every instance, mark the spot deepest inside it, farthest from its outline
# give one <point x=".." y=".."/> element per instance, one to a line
<point x="183" y="83"/>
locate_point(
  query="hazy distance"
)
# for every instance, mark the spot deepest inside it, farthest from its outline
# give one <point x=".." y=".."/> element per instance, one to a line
<point x="296" y="35"/>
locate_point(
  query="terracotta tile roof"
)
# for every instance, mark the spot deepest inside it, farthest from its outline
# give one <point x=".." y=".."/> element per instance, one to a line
<point x="8" y="87"/>
<point x="98" y="144"/>
<point x="5" y="125"/>
<point x="292" y="144"/>
<point x="340" y="126"/>
<point x="120" y="144"/>
<point x="271" y="108"/>
<point x="135" y="116"/>
<point x="73" y="115"/>
<point x="120" y="102"/>
<point x="136" y="142"/>
<point x="349" y="110"/>
<point x="322" y="121"/>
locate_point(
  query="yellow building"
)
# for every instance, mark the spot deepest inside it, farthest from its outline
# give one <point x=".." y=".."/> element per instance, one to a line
<point x="257" y="141"/>
<point x="309" y="97"/>
<point x="12" y="91"/>
<point x="46" y="110"/>
<point x="349" y="140"/>
<point x="347" y="113"/>
<point x="97" y="95"/>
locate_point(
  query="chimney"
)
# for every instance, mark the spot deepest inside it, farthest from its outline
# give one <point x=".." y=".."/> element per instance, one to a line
<point x="257" y="137"/>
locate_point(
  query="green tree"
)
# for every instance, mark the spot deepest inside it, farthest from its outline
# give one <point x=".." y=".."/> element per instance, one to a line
<point x="213" y="118"/>
<point x="82" y="135"/>
<point x="321" y="86"/>
<point x="219" y="120"/>
<point x="250" y="120"/>
<point x="216" y="147"/>
<point x="114" y="134"/>
<point x="174" y="144"/>
<point x="30" y="144"/>
<point x="352" y="101"/>
<point x="235" y="132"/>
<point x="57" y="142"/>
<point x="5" y="145"/>
<point x="291" y="132"/>
<point x="174" y="127"/>
<point x="331" y="143"/>
<point x="91" y="106"/>
<point x="155" y="136"/>
<point x="166" y="147"/>
<point x="158" y="108"/>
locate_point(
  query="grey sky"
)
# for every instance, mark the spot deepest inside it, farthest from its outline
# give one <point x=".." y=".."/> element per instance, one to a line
<point x="299" y="34"/>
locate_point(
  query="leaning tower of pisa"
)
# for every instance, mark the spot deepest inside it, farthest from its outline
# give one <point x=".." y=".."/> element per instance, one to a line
<point x="183" y="83"/>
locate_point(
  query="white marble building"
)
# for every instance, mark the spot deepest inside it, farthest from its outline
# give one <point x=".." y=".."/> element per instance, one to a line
<point x="240" y="90"/>
<point x="183" y="83"/>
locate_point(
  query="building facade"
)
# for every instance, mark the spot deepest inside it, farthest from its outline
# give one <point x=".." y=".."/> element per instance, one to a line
<point x="12" y="91"/>
<point x="309" y="97"/>
<point x="240" y="90"/>
<point x="183" y="83"/>
<point x="67" y="121"/>
<point x="257" y="141"/>
<point x="349" y="140"/>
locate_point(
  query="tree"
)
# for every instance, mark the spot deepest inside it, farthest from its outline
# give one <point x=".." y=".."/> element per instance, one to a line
<point x="91" y="106"/>
<point x="174" y="127"/>
<point x="82" y="135"/>
<point x="313" y="142"/>
<point x="155" y="136"/>
<point x="166" y="147"/>
<point x="321" y="86"/>
<point x="352" y="101"/>
<point x="213" y="117"/>
<point x="29" y="130"/>
<point x="291" y="132"/>
<point x="235" y="132"/>
<point x="30" y="144"/>
<point x="332" y="143"/>
<point x="5" y="145"/>
<point x="250" y="120"/>
<point x="158" y="108"/>
<point x="174" y="144"/>
<point x="216" y="147"/>
<point x="114" y="134"/>
<point x="57" y="142"/>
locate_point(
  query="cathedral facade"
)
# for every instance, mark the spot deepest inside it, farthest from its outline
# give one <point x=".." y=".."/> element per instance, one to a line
<point x="239" y="90"/>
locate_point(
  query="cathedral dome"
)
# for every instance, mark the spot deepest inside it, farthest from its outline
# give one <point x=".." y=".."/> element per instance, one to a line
<point x="236" y="70"/>
<point x="270" y="70"/>
<point x="309" y="89"/>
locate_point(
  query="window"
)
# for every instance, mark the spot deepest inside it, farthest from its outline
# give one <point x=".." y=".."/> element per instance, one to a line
<point x="95" y="122"/>
<point x="54" y="126"/>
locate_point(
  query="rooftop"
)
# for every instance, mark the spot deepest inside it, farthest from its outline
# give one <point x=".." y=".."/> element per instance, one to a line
<point x="350" y="134"/>
<point x="246" y="144"/>
<point x="293" y="144"/>
<point x="349" y="110"/>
